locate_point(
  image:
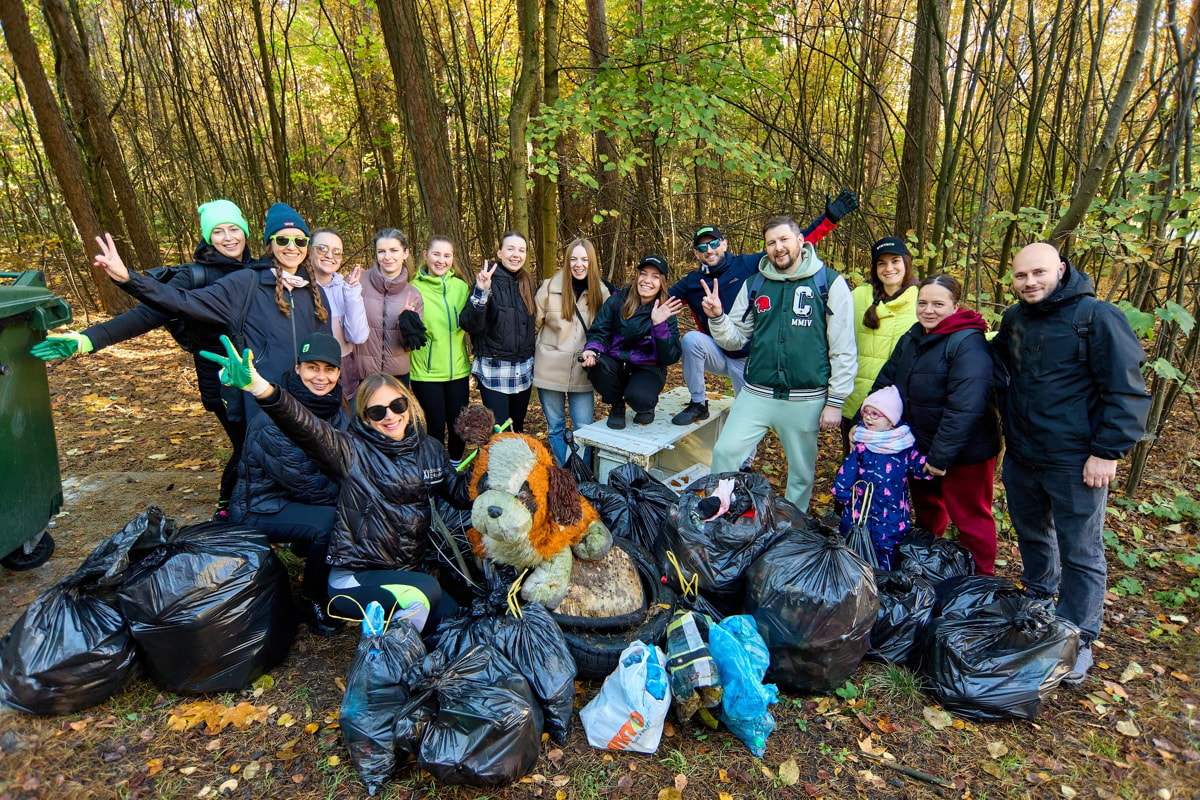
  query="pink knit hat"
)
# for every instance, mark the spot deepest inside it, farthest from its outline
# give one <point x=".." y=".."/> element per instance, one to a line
<point x="887" y="402"/>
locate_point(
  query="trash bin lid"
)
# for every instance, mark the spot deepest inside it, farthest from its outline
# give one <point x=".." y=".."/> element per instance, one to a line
<point x="29" y="292"/>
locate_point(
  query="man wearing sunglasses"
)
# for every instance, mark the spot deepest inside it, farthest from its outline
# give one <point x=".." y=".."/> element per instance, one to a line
<point x="700" y="353"/>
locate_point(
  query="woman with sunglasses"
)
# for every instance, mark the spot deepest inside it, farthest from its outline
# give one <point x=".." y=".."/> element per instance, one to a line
<point x="500" y="319"/>
<point x="567" y="302"/>
<point x="347" y="314"/>
<point x="388" y="471"/>
<point x="273" y="307"/>
<point x="441" y="369"/>
<point x="223" y="249"/>
<point x="389" y="297"/>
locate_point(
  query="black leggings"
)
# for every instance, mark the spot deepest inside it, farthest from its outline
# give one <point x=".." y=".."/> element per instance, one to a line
<point x="236" y="431"/>
<point x="619" y="382"/>
<point x="299" y="522"/>
<point x="442" y="402"/>
<point x="507" y="406"/>
<point x="350" y="603"/>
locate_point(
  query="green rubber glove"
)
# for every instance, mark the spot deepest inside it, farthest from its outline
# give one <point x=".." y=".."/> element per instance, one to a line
<point x="61" y="345"/>
<point x="238" y="370"/>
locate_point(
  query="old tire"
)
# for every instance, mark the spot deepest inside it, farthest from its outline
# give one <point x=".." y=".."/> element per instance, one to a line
<point x="596" y="643"/>
<point x="18" y="560"/>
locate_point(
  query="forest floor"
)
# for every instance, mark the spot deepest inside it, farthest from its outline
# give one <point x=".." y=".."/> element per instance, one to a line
<point x="131" y="432"/>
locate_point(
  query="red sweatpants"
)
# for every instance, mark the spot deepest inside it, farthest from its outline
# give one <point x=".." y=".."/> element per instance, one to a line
<point x="962" y="496"/>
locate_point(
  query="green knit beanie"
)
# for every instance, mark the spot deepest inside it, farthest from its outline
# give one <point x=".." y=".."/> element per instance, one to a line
<point x="220" y="212"/>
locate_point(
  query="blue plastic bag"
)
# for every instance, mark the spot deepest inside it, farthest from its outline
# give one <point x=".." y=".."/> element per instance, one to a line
<point x="742" y="659"/>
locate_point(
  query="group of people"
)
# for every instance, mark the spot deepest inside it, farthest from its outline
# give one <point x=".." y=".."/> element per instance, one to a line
<point x="898" y="365"/>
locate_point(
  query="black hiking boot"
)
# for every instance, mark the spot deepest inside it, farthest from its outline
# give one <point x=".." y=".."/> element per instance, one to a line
<point x="643" y="418"/>
<point x="616" y="416"/>
<point x="692" y="412"/>
<point x="315" y="617"/>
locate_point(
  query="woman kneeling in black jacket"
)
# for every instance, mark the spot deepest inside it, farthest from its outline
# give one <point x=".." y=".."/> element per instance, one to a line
<point x="389" y="470"/>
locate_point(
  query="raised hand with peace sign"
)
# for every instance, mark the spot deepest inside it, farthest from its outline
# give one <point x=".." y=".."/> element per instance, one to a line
<point x="483" y="281"/>
<point x="711" y="304"/>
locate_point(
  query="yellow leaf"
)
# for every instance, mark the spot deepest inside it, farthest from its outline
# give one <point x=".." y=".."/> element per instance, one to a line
<point x="285" y="721"/>
<point x="251" y="771"/>
<point x="155" y="766"/>
<point x="723" y="776"/>
<point x="789" y="772"/>
<point x="334" y="761"/>
<point x="560" y="795"/>
<point x="724" y="796"/>
<point x="669" y="793"/>
<point x="991" y="768"/>
<point x="936" y="717"/>
<point x="312" y="727"/>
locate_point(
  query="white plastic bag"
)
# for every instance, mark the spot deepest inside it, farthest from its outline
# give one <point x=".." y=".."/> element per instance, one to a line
<point x="631" y="708"/>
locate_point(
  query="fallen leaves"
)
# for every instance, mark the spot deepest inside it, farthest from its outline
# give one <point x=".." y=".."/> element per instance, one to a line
<point x="938" y="719"/>
<point x="1126" y="727"/>
<point x="216" y="717"/>
<point x="789" y="772"/>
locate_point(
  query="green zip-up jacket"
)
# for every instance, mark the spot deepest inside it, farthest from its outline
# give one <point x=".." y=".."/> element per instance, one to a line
<point x="444" y="357"/>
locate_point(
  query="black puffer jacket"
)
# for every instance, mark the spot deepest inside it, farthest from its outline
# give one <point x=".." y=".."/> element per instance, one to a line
<point x="502" y="329"/>
<point x="1070" y="397"/>
<point x="383" y="511"/>
<point x="945" y="380"/>
<point x="142" y="319"/>
<point x="274" y="471"/>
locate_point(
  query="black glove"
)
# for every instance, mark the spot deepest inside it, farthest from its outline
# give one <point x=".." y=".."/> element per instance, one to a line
<point x="411" y="330"/>
<point x="840" y="206"/>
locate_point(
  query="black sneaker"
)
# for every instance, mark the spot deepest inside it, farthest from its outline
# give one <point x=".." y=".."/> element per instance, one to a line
<point x="314" y="615"/>
<point x="643" y="418"/>
<point x="616" y="417"/>
<point x="692" y="412"/>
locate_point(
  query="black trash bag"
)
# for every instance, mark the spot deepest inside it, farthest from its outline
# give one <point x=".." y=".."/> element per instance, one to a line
<point x="858" y="538"/>
<point x="575" y="463"/>
<point x="814" y="602"/>
<point x="611" y="505"/>
<point x="906" y="602"/>
<point x="72" y="648"/>
<point x="1000" y="662"/>
<point x="650" y="503"/>
<point x="473" y="721"/>
<point x="450" y="556"/>
<point x="530" y="639"/>
<point x="937" y="559"/>
<point x="962" y="596"/>
<point x="716" y="554"/>
<point x="211" y="609"/>
<point x="376" y="690"/>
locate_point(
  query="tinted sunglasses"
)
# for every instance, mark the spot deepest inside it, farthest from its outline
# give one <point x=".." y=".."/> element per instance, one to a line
<point x="324" y="248"/>
<point x="711" y="244"/>
<point x="284" y="241"/>
<point x="377" y="413"/>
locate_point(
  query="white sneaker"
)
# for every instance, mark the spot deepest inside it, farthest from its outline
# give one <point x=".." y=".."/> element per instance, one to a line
<point x="1083" y="662"/>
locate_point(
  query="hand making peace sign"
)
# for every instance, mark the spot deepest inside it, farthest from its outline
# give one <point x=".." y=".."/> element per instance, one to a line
<point x="483" y="281"/>
<point x="711" y="304"/>
<point x="110" y="259"/>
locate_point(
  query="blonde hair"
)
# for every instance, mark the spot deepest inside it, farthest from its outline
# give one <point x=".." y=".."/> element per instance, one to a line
<point x="593" y="280"/>
<point x="376" y="381"/>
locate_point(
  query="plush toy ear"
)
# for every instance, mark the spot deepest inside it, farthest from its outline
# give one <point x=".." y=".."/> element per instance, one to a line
<point x="474" y="425"/>
<point x="563" y="497"/>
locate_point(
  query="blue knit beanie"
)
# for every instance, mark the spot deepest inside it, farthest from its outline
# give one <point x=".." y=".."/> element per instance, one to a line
<point x="280" y="216"/>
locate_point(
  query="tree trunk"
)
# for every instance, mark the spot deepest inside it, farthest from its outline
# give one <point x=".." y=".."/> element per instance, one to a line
<point x="921" y="124"/>
<point x="1090" y="183"/>
<point x="61" y="149"/>
<point x="279" y="148"/>
<point x="518" y="114"/>
<point x="548" y="184"/>
<point x="424" y="118"/>
<point x="82" y="89"/>
<point x="606" y="155"/>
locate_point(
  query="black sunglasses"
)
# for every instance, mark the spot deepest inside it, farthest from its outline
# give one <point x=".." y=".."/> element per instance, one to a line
<point x="377" y="413"/>
<point x="284" y="241"/>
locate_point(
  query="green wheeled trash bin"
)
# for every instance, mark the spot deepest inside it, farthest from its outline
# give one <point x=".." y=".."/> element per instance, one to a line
<point x="30" y="484"/>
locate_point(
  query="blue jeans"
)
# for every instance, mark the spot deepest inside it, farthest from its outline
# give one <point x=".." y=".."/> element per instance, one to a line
<point x="554" y="406"/>
<point x="1059" y="522"/>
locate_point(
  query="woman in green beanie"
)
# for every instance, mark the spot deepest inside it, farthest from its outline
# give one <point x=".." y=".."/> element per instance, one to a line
<point x="222" y="250"/>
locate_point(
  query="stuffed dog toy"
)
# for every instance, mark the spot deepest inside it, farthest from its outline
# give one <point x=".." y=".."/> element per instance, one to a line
<point x="527" y="512"/>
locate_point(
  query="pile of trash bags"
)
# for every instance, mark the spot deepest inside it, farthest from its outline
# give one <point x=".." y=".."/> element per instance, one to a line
<point x="634" y="505"/>
<point x="472" y="711"/>
<point x="202" y="608"/>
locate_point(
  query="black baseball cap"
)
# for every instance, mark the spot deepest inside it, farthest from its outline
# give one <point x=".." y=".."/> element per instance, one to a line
<point x="889" y="245"/>
<point x="707" y="232"/>
<point x="657" y="262"/>
<point x="321" y="347"/>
